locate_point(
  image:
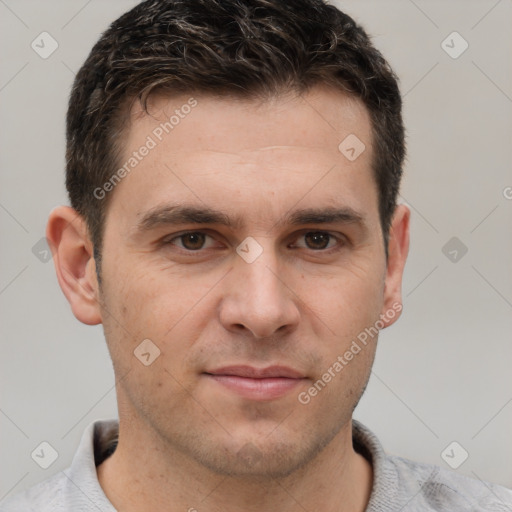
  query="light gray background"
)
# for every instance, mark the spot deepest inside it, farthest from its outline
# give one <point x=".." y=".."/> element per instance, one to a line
<point x="442" y="373"/>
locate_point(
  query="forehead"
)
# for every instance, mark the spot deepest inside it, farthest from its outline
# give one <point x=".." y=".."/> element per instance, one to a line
<point x="245" y="152"/>
<point x="313" y="119"/>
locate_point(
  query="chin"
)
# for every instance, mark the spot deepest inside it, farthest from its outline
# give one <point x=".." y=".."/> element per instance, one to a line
<point x="264" y="459"/>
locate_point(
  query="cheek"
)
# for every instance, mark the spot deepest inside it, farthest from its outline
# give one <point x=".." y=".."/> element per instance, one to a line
<point x="170" y="310"/>
<point x="148" y="335"/>
<point x="348" y="301"/>
<point x="336" y="391"/>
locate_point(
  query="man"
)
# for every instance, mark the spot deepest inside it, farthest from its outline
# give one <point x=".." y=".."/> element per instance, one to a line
<point x="233" y="170"/>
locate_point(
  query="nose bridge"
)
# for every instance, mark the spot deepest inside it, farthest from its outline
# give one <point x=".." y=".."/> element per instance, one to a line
<point x="262" y="282"/>
<point x="259" y="300"/>
<point x="256" y="256"/>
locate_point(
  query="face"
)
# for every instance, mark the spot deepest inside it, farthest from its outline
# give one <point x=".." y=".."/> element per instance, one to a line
<point x="248" y="249"/>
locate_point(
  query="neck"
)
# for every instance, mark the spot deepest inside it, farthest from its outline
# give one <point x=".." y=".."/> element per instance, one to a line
<point x="145" y="473"/>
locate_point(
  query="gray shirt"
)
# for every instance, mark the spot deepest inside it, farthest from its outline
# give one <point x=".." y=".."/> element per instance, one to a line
<point x="398" y="485"/>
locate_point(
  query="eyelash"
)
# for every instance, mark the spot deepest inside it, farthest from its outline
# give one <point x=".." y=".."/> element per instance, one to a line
<point x="340" y="241"/>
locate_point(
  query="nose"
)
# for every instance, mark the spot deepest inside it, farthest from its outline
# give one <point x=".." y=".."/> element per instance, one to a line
<point x="258" y="299"/>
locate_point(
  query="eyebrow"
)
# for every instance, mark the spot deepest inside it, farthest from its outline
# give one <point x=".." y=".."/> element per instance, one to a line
<point x="184" y="214"/>
<point x="189" y="214"/>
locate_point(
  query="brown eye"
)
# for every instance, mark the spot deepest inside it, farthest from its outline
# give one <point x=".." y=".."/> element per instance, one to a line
<point x="192" y="241"/>
<point x="317" y="240"/>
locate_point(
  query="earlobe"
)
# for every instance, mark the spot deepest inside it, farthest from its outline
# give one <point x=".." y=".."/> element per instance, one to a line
<point x="398" y="248"/>
<point x="72" y="250"/>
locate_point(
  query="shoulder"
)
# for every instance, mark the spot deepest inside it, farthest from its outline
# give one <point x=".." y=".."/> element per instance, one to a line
<point x="63" y="492"/>
<point x="77" y="487"/>
<point x="437" y="489"/>
<point x="402" y="484"/>
<point x="42" y="497"/>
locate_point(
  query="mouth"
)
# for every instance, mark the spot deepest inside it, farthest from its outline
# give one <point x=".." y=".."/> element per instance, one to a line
<point x="260" y="384"/>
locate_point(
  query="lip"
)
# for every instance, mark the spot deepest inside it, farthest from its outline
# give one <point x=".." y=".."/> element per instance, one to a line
<point x="258" y="384"/>
<point x="258" y="373"/>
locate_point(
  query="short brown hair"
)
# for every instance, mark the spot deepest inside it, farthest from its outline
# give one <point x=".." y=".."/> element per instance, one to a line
<point x="246" y="48"/>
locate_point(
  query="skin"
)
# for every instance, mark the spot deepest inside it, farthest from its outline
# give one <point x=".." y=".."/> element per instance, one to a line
<point x="185" y="440"/>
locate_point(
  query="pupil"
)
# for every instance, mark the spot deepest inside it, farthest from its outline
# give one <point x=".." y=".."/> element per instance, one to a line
<point x="317" y="240"/>
<point x="193" y="241"/>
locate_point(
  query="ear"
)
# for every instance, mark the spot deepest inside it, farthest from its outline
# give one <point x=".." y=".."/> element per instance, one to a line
<point x="398" y="248"/>
<point x="72" y="250"/>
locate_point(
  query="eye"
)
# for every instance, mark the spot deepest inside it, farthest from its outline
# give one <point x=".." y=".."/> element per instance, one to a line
<point x="192" y="241"/>
<point x="318" y="240"/>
